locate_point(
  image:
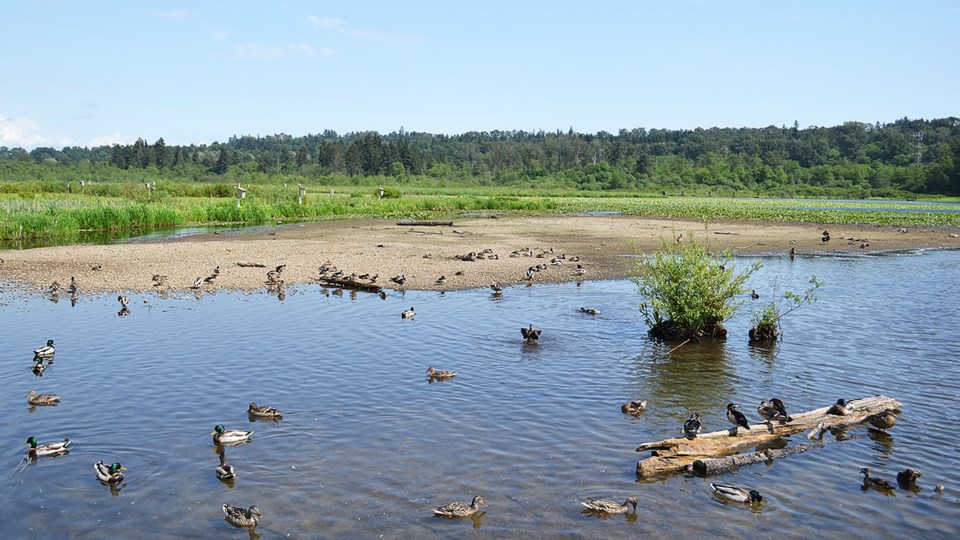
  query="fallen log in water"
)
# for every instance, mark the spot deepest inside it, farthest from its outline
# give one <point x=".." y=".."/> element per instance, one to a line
<point x="350" y="284"/>
<point x="708" y="466"/>
<point x="426" y="223"/>
<point x="676" y="455"/>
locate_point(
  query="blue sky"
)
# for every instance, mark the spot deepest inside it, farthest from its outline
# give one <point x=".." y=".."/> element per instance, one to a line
<point x="89" y="73"/>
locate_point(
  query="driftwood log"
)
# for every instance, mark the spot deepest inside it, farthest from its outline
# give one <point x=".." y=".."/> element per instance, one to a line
<point x="426" y="223"/>
<point x="708" y="466"/>
<point x="679" y="454"/>
<point x="350" y="284"/>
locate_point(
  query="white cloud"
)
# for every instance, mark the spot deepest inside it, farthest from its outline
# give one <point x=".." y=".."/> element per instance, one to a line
<point x="332" y="23"/>
<point x="20" y="133"/>
<point x="258" y="51"/>
<point x="220" y="35"/>
<point x="110" y="140"/>
<point x="326" y="23"/>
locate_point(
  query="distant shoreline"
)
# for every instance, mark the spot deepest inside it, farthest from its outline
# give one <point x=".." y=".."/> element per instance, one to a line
<point x="422" y="254"/>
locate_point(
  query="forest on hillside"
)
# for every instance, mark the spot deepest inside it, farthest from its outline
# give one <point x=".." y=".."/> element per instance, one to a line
<point x="855" y="159"/>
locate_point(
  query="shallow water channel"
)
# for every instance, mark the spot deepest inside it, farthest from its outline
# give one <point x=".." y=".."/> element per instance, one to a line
<point x="367" y="446"/>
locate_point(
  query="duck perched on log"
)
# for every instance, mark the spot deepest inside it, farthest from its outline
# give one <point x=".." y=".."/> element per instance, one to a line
<point x="692" y="426"/>
<point x="459" y="509"/>
<point x="737" y="418"/>
<point x="263" y="411"/>
<point x="774" y="410"/>
<point x="736" y="494"/>
<point x="883" y="420"/>
<point x="530" y="334"/>
<point x="35" y="399"/>
<point x="241" y="517"/>
<point x="634" y="407"/>
<point x="46" y="449"/>
<point x="608" y="507"/>
<point x="109" y="474"/>
<point x="840" y="408"/>
<point x="223" y="436"/>
<point x="870" y="481"/>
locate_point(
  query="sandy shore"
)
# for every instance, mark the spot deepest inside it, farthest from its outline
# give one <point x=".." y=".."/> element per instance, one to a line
<point x="423" y="254"/>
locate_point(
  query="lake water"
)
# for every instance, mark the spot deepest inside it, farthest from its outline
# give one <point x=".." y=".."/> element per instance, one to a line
<point x="367" y="447"/>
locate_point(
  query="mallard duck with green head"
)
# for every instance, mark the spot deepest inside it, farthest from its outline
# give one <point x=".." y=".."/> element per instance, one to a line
<point x="736" y="494"/>
<point x="109" y="474"/>
<point x="241" y="517"/>
<point x="263" y="411"/>
<point x="223" y="436"/>
<point x="607" y="506"/>
<point x="840" y="408"/>
<point x="47" y="351"/>
<point x="459" y="509"/>
<point x="46" y="449"/>
<point x="42" y="400"/>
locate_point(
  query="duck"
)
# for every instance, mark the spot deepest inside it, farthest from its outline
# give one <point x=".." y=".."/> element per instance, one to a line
<point x="408" y="314"/>
<point x="124" y="301"/>
<point x="773" y="410"/>
<point x="607" y="506"/>
<point x="197" y="283"/>
<point x="46" y="449"/>
<point x="47" y="351"/>
<point x="530" y="334"/>
<point x="109" y="474"/>
<point x="634" y="407"/>
<point x="754" y="295"/>
<point x="580" y="270"/>
<point x="73" y="288"/>
<point x="399" y="280"/>
<point x="736" y="494"/>
<point x="883" y="420"/>
<point x="736" y="417"/>
<point x="232" y="436"/>
<point x="225" y="472"/>
<point x="263" y="411"/>
<point x="692" y="426"/>
<point x="874" y="482"/>
<point x="825" y="237"/>
<point x="440" y="374"/>
<point x="42" y="399"/>
<point x="907" y="478"/>
<point x="840" y="408"/>
<point x="589" y="311"/>
<point x="496" y="287"/>
<point x="459" y="509"/>
<point x="793" y="253"/>
<point x="241" y="517"/>
<point x="441" y="280"/>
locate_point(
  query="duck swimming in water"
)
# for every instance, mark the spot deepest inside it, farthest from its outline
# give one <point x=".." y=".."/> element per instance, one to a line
<point x="42" y="399"/>
<point x="634" y="407"/>
<point x="883" y="420"/>
<point x="45" y="352"/>
<point x="736" y="494"/>
<point x="109" y="474"/>
<point x="459" y="509"/>
<point x="530" y="334"/>
<point x="263" y="411"/>
<point x="241" y="517"/>
<point x="874" y="482"/>
<point x="229" y="436"/>
<point x="46" y="449"/>
<point x="440" y="374"/>
<point x="408" y="314"/>
<point x="607" y="506"/>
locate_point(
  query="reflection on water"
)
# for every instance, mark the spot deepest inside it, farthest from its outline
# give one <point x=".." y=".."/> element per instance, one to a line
<point x="366" y="448"/>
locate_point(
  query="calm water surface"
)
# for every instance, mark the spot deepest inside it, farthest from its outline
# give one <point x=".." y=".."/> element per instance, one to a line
<point x="367" y="447"/>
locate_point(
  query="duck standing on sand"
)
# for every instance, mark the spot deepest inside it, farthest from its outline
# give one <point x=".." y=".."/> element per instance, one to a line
<point x="736" y="417"/>
<point x="459" y="509"/>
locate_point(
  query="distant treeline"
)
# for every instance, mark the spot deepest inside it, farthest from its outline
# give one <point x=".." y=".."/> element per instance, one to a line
<point x="855" y="158"/>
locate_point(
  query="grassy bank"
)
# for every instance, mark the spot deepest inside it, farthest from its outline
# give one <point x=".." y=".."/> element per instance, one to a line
<point x="35" y="212"/>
